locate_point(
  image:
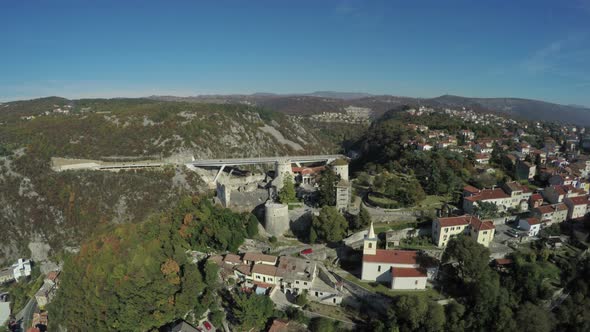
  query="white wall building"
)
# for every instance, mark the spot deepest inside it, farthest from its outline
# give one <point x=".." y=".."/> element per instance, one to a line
<point x="383" y="265"/>
<point x="21" y="269"/>
<point x="531" y="225"/>
<point x="408" y="278"/>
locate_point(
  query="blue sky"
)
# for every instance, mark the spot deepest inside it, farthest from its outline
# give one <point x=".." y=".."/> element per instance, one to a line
<point x="502" y="48"/>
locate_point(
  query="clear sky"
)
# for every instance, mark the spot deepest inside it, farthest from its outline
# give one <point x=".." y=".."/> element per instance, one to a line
<point x="488" y="48"/>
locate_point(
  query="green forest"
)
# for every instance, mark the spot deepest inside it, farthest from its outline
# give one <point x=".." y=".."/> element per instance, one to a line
<point x="138" y="277"/>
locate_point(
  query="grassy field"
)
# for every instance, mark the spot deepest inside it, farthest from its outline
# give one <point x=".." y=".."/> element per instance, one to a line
<point x="335" y="312"/>
<point x="383" y="227"/>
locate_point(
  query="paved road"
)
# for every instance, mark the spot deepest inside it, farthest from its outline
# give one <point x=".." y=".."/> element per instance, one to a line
<point x="262" y="160"/>
<point x="25" y="316"/>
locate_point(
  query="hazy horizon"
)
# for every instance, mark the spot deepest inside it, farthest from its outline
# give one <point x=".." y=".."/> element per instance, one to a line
<point x="530" y="49"/>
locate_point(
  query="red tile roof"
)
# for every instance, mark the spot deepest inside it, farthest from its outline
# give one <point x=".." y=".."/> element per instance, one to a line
<point x="546" y="209"/>
<point x="278" y="326"/>
<point x="560" y="190"/>
<point x="533" y="221"/>
<point x="408" y="272"/>
<point x="456" y="221"/>
<point x="479" y="225"/>
<point x="233" y="259"/>
<point x="487" y="194"/>
<point x="580" y="200"/>
<point x="308" y="170"/>
<point x="537" y="197"/>
<point x="268" y="270"/>
<point x="503" y="261"/>
<point x="259" y="257"/>
<point x="392" y="256"/>
<point x="560" y="207"/>
<point x="263" y="284"/>
<point x="53" y="275"/>
<point x="482" y="156"/>
<point x="471" y="189"/>
<point x="244" y="269"/>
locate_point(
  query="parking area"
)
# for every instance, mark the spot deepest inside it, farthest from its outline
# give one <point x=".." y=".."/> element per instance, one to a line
<point x="501" y="235"/>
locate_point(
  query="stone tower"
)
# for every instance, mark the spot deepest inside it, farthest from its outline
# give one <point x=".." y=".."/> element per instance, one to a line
<point x="370" y="242"/>
<point x="276" y="218"/>
<point x="340" y="167"/>
<point x="282" y="168"/>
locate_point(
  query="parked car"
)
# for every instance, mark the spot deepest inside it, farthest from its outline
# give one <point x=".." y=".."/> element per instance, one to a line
<point x="513" y="233"/>
<point x="207" y="325"/>
<point x="306" y="251"/>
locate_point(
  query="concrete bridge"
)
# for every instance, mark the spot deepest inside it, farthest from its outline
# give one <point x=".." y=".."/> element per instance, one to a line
<point x="63" y="164"/>
<point x="264" y="160"/>
<point x="298" y="160"/>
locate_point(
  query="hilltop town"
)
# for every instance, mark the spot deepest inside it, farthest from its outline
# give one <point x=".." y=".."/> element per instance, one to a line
<point x="424" y="211"/>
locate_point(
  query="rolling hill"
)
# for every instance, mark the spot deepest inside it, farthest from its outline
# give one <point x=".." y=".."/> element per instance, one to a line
<point x="317" y="102"/>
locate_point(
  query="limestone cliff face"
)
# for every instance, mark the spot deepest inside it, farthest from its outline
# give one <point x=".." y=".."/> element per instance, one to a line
<point x="59" y="210"/>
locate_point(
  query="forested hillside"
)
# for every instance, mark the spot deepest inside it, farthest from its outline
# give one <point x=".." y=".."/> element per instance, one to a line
<point x="138" y="277"/>
<point x="44" y="211"/>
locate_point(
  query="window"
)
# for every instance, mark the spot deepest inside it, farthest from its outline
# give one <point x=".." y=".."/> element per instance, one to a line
<point x="485" y="232"/>
<point x="379" y="268"/>
<point x="297" y="282"/>
<point x="416" y="282"/>
<point x="305" y="283"/>
<point x="370" y="245"/>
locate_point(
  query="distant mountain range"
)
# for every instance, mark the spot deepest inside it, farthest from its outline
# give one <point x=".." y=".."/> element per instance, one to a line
<point x="330" y="101"/>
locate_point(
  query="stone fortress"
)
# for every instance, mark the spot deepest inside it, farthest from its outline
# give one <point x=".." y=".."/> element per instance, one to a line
<point x="246" y="191"/>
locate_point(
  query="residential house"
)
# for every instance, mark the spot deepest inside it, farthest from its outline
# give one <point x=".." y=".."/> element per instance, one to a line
<point x="183" y="326"/>
<point x="424" y="147"/>
<point x="536" y="200"/>
<point x="289" y="274"/>
<point x="258" y="258"/>
<point x="47" y="291"/>
<point x="550" y="214"/>
<point x="467" y="134"/>
<point x="531" y="225"/>
<point x="21" y="269"/>
<point x="557" y="193"/>
<point x="519" y="194"/>
<point x="525" y="170"/>
<point x="482" y="231"/>
<point x="443" y="229"/>
<point x="524" y="148"/>
<point x="496" y="196"/>
<point x="482" y="158"/>
<point x="577" y="206"/>
<point x="560" y="213"/>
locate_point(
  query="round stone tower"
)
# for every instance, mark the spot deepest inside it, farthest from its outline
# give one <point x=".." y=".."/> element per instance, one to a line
<point x="282" y="168"/>
<point x="340" y="167"/>
<point x="276" y="218"/>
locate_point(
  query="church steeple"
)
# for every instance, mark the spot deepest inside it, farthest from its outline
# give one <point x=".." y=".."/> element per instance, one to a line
<point x="371" y="234"/>
<point x="370" y="242"/>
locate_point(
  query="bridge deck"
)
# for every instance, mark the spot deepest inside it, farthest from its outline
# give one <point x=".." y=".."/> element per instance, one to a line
<point x="263" y="160"/>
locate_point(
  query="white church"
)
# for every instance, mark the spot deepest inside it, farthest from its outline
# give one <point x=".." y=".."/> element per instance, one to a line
<point x="397" y="268"/>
